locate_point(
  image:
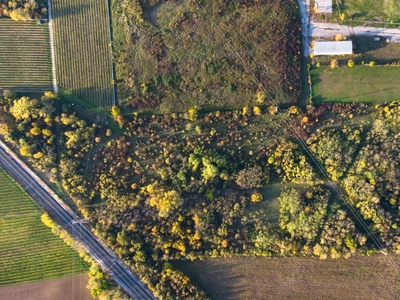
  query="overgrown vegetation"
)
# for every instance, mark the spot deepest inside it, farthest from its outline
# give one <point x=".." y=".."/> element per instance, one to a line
<point x="175" y="56"/>
<point x="23" y="10"/>
<point x="182" y="186"/>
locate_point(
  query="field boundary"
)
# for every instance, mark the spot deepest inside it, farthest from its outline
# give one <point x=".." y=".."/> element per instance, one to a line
<point x="52" y="51"/>
<point x="111" y="53"/>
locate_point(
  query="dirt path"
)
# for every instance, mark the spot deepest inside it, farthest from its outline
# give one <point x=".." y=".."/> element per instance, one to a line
<point x="53" y="59"/>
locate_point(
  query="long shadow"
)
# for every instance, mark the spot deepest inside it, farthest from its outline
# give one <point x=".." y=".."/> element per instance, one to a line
<point x="224" y="279"/>
<point x="363" y="94"/>
<point x="363" y="44"/>
<point x="62" y="10"/>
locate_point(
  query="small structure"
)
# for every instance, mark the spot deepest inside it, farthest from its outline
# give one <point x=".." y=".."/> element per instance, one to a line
<point x="333" y="48"/>
<point x="323" y="6"/>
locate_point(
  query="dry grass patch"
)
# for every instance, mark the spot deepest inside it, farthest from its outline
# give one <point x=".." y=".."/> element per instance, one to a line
<point x="67" y="288"/>
<point x="297" y="278"/>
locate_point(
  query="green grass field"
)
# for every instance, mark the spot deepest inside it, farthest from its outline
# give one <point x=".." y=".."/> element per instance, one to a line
<point x="371" y="10"/>
<point x="25" y="64"/>
<point x="358" y="84"/>
<point x="83" y="51"/>
<point x="29" y="251"/>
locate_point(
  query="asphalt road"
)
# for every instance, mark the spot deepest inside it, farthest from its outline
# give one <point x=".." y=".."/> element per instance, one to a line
<point x="67" y="219"/>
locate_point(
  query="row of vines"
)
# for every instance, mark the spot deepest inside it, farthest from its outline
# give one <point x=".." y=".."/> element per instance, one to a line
<point x="28" y="250"/>
<point x="25" y="64"/>
<point x="82" y="49"/>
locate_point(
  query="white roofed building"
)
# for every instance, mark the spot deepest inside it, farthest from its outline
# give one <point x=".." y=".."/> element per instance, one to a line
<point x="333" y="48"/>
<point x="323" y="6"/>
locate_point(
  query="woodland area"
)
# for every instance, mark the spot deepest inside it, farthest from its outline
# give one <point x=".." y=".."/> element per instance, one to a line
<point x="185" y="186"/>
<point x="23" y="10"/>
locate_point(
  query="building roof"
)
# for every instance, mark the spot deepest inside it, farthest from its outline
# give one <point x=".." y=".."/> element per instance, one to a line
<point x="333" y="48"/>
<point x="323" y="6"/>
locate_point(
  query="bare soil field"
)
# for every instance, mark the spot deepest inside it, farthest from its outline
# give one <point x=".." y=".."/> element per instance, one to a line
<point x="67" y="288"/>
<point x="300" y="278"/>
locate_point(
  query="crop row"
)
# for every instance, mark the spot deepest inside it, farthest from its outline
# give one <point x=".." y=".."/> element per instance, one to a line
<point x="83" y="52"/>
<point x="25" y="64"/>
<point x="29" y="251"/>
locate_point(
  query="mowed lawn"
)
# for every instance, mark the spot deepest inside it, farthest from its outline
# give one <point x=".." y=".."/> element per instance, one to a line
<point x="29" y="251"/>
<point x="83" y="49"/>
<point x="357" y="84"/>
<point x="25" y="64"/>
<point x="366" y="278"/>
<point x="372" y="10"/>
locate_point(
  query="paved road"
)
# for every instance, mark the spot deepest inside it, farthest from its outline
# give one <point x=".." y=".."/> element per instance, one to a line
<point x="331" y="29"/>
<point x="66" y="218"/>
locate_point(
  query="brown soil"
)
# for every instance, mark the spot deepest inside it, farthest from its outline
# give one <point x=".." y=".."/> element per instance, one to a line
<point x="300" y="278"/>
<point x="68" y="288"/>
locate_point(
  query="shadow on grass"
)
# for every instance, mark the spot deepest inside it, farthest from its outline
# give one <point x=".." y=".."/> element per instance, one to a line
<point x="219" y="281"/>
<point x="65" y="9"/>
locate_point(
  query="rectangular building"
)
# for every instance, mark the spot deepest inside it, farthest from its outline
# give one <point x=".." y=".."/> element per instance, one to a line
<point x="323" y="6"/>
<point x="333" y="48"/>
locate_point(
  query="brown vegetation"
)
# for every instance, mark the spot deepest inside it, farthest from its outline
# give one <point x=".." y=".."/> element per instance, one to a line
<point x="300" y="278"/>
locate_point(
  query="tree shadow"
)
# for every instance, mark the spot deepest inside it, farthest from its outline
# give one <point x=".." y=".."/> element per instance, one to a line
<point x="220" y="281"/>
<point x="363" y="44"/>
<point x="67" y="9"/>
<point x="91" y="97"/>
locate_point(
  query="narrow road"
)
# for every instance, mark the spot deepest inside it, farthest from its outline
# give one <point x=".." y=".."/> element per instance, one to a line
<point x="52" y="51"/>
<point x="331" y="29"/>
<point x="69" y="221"/>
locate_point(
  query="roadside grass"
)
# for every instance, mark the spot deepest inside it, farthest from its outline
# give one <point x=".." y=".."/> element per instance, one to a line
<point x="299" y="278"/>
<point x="83" y="51"/>
<point x="358" y="84"/>
<point x="186" y="56"/>
<point x="29" y="251"/>
<point x="25" y="64"/>
<point x="369" y="10"/>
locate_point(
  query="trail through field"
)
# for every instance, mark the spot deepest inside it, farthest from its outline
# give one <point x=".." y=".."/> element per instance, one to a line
<point x="53" y="59"/>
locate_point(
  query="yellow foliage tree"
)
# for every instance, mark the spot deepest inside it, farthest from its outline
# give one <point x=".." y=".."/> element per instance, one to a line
<point x="46" y="132"/>
<point x="257" y="110"/>
<point x="35" y="131"/>
<point x="256" y="197"/>
<point x="25" y="150"/>
<point x="20" y="14"/>
<point x="115" y="111"/>
<point x="334" y="63"/>
<point x="339" y="37"/>
<point x="193" y="114"/>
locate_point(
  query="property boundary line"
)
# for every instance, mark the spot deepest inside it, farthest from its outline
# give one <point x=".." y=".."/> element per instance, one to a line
<point x="53" y="57"/>
<point x="111" y="52"/>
